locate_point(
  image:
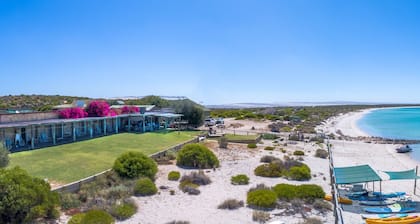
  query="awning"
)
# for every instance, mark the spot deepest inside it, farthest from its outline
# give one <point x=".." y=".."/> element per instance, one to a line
<point x="355" y="174"/>
<point x="402" y="175"/>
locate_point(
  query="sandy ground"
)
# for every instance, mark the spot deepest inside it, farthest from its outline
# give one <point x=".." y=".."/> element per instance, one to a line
<point x="163" y="207"/>
<point x="381" y="157"/>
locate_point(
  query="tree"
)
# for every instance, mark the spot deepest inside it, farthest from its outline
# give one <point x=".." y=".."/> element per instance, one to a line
<point x="24" y="198"/>
<point x="98" y="109"/>
<point x="192" y="112"/>
<point x="4" y="157"/>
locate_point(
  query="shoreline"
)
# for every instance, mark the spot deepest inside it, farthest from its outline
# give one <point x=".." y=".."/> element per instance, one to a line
<point x="354" y="147"/>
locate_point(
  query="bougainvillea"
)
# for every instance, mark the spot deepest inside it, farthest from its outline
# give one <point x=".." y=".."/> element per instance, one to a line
<point x="130" y="110"/>
<point x="98" y="109"/>
<point x="72" y="113"/>
<point x="113" y="113"/>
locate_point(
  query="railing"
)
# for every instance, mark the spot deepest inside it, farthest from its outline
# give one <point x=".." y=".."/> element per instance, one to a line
<point x="338" y="212"/>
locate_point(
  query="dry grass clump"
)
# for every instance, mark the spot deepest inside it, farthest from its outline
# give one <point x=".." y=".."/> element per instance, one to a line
<point x="231" y="204"/>
<point x="312" y="221"/>
<point x="178" y="222"/>
<point x="268" y="159"/>
<point x="260" y="216"/>
<point x="198" y="178"/>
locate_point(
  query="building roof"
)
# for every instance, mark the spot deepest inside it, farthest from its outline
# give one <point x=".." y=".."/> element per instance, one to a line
<point x="355" y="174"/>
<point x="59" y="121"/>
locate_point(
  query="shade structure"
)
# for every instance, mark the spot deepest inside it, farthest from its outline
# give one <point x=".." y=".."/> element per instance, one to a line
<point x="402" y="175"/>
<point x="355" y="174"/>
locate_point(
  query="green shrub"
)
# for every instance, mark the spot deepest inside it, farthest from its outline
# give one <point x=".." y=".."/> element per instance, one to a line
<point x="252" y="146"/>
<point x="283" y="150"/>
<point x="197" y="156"/>
<point x="68" y="201"/>
<point x="97" y="217"/>
<point x="174" y="175"/>
<point x="4" y="156"/>
<point x="124" y="210"/>
<point x="299" y="153"/>
<point x="259" y="187"/>
<point x="299" y="173"/>
<point x="269" y="148"/>
<point x="268" y="159"/>
<point x="285" y="191"/>
<point x="145" y="187"/>
<point x="321" y="153"/>
<point x="268" y="136"/>
<point x="240" y="179"/>
<point x="310" y="192"/>
<point x="76" y="219"/>
<point x="24" y="198"/>
<point x="231" y="204"/>
<point x="262" y="198"/>
<point x="135" y="164"/>
<point x="273" y="169"/>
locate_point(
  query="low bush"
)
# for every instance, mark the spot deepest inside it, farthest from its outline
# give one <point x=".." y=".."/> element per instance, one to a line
<point x="252" y="145"/>
<point x="321" y="153"/>
<point x="124" y="210"/>
<point x="300" y="173"/>
<point x="4" y="156"/>
<point x="269" y="148"/>
<point x="178" y="222"/>
<point x="145" y="187"/>
<point x="260" y="216"/>
<point x="310" y="192"/>
<point x="273" y="169"/>
<point x="307" y="192"/>
<point x="97" y="216"/>
<point x="198" y="178"/>
<point x="263" y="198"/>
<point x="76" y="219"/>
<point x="322" y="205"/>
<point x="312" y="221"/>
<point x="190" y="188"/>
<point x="197" y="156"/>
<point x="285" y="191"/>
<point x="259" y="187"/>
<point x="268" y="159"/>
<point x="298" y="153"/>
<point x="174" y="175"/>
<point x="240" y="179"/>
<point x="68" y="201"/>
<point x="231" y="204"/>
<point x="135" y="164"/>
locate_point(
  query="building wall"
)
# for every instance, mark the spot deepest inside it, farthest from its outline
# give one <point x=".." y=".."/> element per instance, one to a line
<point x="9" y="118"/>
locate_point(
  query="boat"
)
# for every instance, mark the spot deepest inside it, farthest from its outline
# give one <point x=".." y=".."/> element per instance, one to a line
<point x="390" y="194"/>
<point x="376" y="203"/>
<point x="395" y="220"/>
<point x="341" y="200"/>
<point x="404" y="149"/>
<point x="382" y="216"/>
<point x="395" y="208"/>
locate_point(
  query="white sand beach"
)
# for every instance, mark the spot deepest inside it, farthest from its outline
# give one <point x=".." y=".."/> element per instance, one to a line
<point x="163" y="207"/>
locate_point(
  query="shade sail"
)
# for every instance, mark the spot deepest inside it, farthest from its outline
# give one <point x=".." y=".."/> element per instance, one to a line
<point x="355" y="174"/>
<point x="402" y="175"/>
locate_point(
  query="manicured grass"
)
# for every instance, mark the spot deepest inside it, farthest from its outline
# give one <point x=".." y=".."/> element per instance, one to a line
<point x="240" y="137"/>
<point x="71" y="162"/>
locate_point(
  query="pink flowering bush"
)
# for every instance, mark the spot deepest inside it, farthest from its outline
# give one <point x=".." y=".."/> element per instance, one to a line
<point x="72" y="113"/>
<point x="130" y="110"/>
<point x="113" y="113"/>
<point x="98" y="109"/>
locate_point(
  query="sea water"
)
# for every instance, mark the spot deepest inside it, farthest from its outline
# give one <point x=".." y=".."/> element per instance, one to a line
<point x="394" y="123"/>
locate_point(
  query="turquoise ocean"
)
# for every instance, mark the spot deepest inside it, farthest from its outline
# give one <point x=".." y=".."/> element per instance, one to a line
<point x="394" y="123"/>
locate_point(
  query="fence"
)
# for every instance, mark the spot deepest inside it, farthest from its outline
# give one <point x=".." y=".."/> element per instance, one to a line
<point x="75" y="186"/>
<point x="338" y="213"/>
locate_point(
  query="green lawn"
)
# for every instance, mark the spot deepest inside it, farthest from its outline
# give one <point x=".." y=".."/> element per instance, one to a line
<point x="71" y="162"/>
<point x="240" y="137"/>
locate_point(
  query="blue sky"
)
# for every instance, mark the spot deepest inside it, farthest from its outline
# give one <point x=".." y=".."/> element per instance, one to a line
<point x="213" y="51"/>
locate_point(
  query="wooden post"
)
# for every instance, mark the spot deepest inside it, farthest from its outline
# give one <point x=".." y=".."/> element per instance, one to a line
<point x="74" y="132"/>
<point x="104" y="126"/>
<point x="143" y="124"/>
<point x="33" y="137"/>
<point x="53" y="133"/>
<point x="116" y="125"/>
<point x="415" y="180"/>
<point x="129" y="124"/>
